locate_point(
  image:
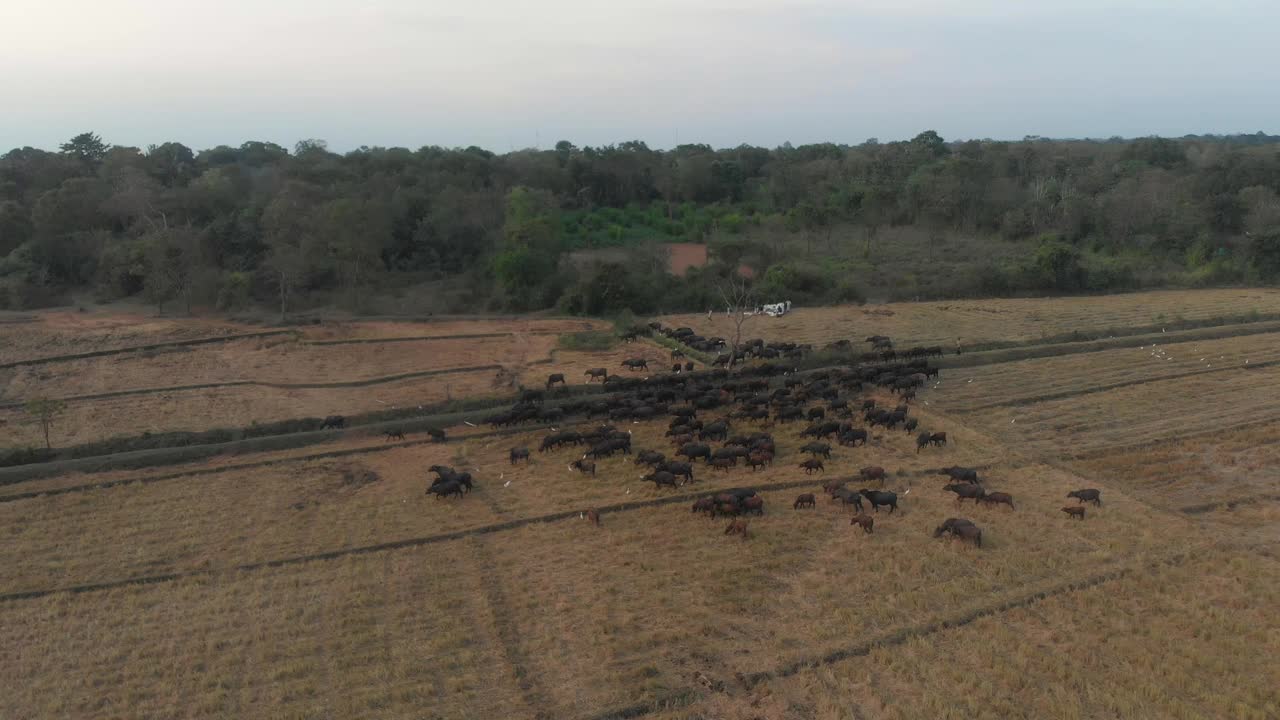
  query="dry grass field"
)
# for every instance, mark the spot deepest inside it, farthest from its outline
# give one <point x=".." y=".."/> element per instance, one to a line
<point x="974" y="322"/>
<point x="309" y="587"/>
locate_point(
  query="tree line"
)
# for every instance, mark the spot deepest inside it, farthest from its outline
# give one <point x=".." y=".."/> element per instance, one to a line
<point x="580" y="228"/>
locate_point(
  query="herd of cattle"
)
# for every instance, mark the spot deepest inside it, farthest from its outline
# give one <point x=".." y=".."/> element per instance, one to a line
<point x="761" y="394"/>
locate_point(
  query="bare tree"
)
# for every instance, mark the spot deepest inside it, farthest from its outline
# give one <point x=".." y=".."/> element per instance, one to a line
<point x="45" y="411"/>
<point x="739" y="299"/>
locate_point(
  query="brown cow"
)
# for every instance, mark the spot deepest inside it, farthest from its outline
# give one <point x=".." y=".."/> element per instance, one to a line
<point x="1075" y="512"/>
<point x="723" y="463"/>
<point x="997" y="498"/>
<point x="754" y="504"/>
<point x="805" y="500"/>
<point x="863" y="520"/>
<point x="831" y="486"/>
<point x="938" y="439"/>
<point x="705" y="505"/>
<point x="737" y="527"/>
<point x="593" y="517"/>
<point x="812" y="465"/>
<point x="873" y="472"/>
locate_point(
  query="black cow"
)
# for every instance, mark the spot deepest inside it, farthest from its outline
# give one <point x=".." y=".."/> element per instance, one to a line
<point x="1084" y="496"/>
<point x="965" y="491"/>
<point x="518" y="454"/>
<point x="555" y="378"/>
<point x="337" y="422"/>
<point x="880" y="497"/>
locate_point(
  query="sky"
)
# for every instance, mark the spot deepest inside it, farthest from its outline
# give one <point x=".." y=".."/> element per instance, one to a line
<point x="511" y="74"/>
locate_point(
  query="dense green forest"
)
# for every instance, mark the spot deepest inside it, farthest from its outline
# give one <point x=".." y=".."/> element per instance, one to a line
<point x="579" y="229"/>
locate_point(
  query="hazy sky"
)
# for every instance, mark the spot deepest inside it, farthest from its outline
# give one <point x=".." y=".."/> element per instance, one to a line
<point x="508" y="74"/>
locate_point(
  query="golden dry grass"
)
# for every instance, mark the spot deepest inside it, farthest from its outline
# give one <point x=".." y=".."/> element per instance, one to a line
<point x="1190" y="641"/>
<point x="52" y="333"/>
<point x="592" y="618"/>
<point x="980" y="321"/>
<point x="563" y="620"/>
<point x="1209" y="468"/>
<point x="1022" y="381"/>
<point x="295" y="508"/>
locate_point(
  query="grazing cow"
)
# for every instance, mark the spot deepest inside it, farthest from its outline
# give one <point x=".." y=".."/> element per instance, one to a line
<point x="753" y="504"/>
<point x="852" y="437"/>
<point x="960" y="474"/>
<point x="554" y="378"/>
<point x="583" y="466"/>
<point x="872" y="472"/>
<point x="815" y="413"/>
<point x="737" y="527"/>
<point x="1075" y="512"/>
<point x="965" y="491"/>
<point x="805" y="500"/>
<point x="848" y="497"/>
<point x="961" y="529"/>
<point x="970" y="533"/>
<point x="910" y="425"/>
<point x="880" y="497"/>
<point x="758" y="460"/>
<point x="437" y="435"/>
<point x="594" y="373"/>
<point x="660" y="478"/>
<point x="866" y="522"/>
<point x="997" y="498"/>
<point x="922" y="441"/>
<point x="829" y="487"/>
<point x="812" y="465"/>
<point x="652" y="458"/>
<point x="723" y="463"/>
<point x="445" y="489"/>
<point x="337" y="422"/>
<point x="518" y="454"/>
<point x="679" y="469"/>
<point x="1084" y="496"/>
<point x="949" y="525"/>
<point x="395" y="435"/>
<point x="593" y="517"/>
<point x="693" y="452"/>
<point x="817" y="449"/>
<point x="938" y="439"/>
<point x="635" y="364"/>
<point x="705" y="505"/>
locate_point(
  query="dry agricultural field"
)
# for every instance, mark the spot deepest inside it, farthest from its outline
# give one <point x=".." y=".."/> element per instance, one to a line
<point x="322" y="581"/>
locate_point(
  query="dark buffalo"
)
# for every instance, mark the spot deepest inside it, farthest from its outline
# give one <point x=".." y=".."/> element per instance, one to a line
<point x="848" y="497"/>
<point x="811" y="466"/>
<point x="880" y="497"/>
<point x="660" y="478"/>
<point x="1075" y="512"/>
<point x="872" y="472"/>
<point x="445" y="489"/>
<point x="584" y="466"/>
<point x="635" y="364"/>
<point x="679" y="469"/>
<point x="1084" y="496"/>
<point x="594" y="373"/>
<point x="436" y="434"/>
<point x="997" y="498"/>
<point x="965" y="491"/>
<point x="938" y="439"/>
<point x="923" y="440"/>
<point x="817" y="449"/>
<point x="518" y="454"/>
<point x="694" y="451"/>
<point x="805" y="500"/>
<point x="337" y="422"/>
<point x="554" y="378"/>
<point x="395" y="435"/>
<point x="960" y="474"/>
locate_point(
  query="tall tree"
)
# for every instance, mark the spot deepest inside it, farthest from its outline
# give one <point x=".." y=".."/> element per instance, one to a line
<point x="86" y="148"/>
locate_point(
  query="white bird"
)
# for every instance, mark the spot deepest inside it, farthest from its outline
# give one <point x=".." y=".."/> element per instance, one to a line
<point x="581" y="515"/>
<point x="506" y="484"/>
<point x="465" y="422"/>
<point x="628" y="492"/>
<point x="500" y="475"/>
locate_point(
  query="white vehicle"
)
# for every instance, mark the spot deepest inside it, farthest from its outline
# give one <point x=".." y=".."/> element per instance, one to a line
<point x="777" y="309"/>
